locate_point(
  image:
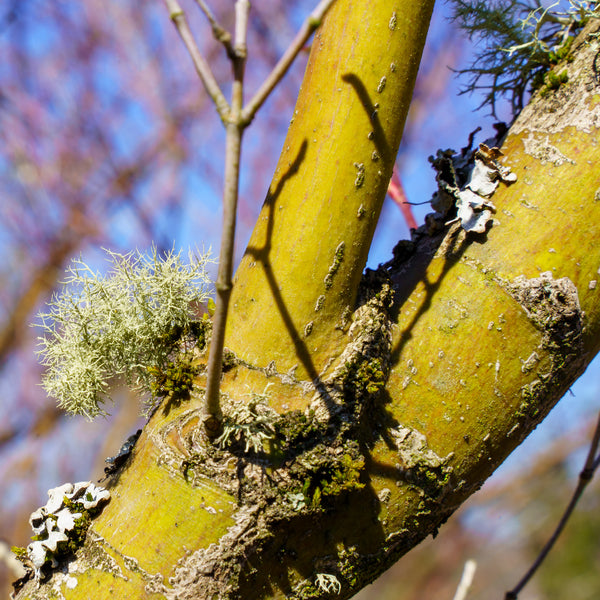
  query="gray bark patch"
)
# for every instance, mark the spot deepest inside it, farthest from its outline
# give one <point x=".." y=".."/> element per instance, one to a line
<point x="553" y="307"/>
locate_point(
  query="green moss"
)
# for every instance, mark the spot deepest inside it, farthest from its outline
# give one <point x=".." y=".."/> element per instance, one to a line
<point x="553" y="81"/>
<point x="371" y="377"/>
<point x="20" y="553"/>
<point x="77" y="536"/>
<point x="175" y="380"/>
<point x="326" y="475"/>
<point x="296" y="429"/>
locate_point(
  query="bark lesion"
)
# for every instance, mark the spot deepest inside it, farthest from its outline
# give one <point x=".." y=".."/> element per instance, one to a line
<point x="552" y="306"/>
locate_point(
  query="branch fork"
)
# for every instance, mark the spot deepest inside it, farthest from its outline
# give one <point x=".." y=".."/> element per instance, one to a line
<point x="235" y="117"/>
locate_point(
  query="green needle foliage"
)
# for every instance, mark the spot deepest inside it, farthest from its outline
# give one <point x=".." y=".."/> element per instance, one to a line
<point x="130" y="323"/>
<point x="518" y="42"/>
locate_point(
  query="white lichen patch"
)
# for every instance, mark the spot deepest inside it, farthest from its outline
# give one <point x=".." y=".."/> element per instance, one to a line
<point x="541" y="148"/>
<point x="328" y="583"/>
<point x="59" y="522"/>
<point x="468" y="187"/>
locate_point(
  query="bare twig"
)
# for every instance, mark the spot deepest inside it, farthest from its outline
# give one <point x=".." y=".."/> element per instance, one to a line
<point x="177" y="15"/>
<point x="220" y="33"/>
<point x="591" y="464"/>
<point x="466" y="580"/>
<point x="280" y="69"/>
<point x="233" y="140"/>
<point x="236" y="118"/>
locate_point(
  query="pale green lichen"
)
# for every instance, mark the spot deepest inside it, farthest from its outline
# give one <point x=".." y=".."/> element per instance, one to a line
<point x="250" y="422"/>
<point x="328" y="583"/>
<point x="519" y="41"/>
<point x="130" y="323"/>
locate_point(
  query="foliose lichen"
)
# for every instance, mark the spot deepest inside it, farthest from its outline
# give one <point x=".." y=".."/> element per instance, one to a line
<point x="466" y="184"/>
<point x="60" y="525"/>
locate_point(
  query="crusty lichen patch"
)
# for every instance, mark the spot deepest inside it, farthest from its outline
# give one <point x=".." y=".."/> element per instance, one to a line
<point x="553" y="307"/>
<point x="569" y="105"/>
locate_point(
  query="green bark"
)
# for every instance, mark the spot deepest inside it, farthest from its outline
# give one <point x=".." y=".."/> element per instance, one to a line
<point x="299" y="276"/>
<point x="381" y="420"/>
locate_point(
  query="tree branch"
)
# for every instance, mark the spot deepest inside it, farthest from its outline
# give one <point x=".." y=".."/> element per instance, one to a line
<point x="312" y="22"/>
<point x="177" y="15"/>
<point x="233" y="141"/>
<point x="591" y="464"/>
<point x="219" y="32"/>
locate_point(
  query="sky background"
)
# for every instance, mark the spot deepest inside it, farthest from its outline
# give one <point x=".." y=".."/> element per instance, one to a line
<point x="133" y="79"/>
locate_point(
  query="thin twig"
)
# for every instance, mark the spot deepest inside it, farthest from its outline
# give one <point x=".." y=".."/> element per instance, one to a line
<point x="310" y="24"/>
<point x="177" y="15"/>
<point x="591" y="464"/>
<point x="235" y="118"/>
<point x="466" y="580"/>
<point x="233" y="140"/>
<point x="221" y="34"/>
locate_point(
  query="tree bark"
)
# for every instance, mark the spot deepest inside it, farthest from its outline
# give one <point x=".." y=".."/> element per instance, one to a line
<point x="408" y="388"/>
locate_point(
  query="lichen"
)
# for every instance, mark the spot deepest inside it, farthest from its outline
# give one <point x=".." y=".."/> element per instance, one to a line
<point x="418" y="464"/>
<point x="466" y="184"/>
<point x="129" y="323"/>
<point x="289" y="469"/>
<point x="552" y="306"/>
<point x="519" y="42"/>
<point x="338" y="257"/>
<point x="60" y="526"/>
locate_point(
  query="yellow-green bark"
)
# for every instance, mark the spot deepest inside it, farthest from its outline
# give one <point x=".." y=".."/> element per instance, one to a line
<point x="413" y="422"/>
<point x="301" y="270"/>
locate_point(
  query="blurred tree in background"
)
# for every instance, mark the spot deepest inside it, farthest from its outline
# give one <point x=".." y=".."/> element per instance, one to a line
<point x="108" y="140"/>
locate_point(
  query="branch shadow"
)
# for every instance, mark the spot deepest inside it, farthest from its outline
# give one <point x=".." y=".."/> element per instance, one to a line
<point x="376" y="420"/>
<point x="404" y="278"/>
<point x="372" y="111"/>
<point x="261" y="255"/>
